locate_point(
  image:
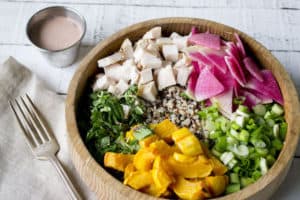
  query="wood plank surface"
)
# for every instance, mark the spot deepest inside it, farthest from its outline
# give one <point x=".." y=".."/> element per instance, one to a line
<point x="274" y="23"/>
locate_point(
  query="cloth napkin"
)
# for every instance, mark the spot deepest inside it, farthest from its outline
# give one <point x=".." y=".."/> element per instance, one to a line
<point x="21" y="175"/>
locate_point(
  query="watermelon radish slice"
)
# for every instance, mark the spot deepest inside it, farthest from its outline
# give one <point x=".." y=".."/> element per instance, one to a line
<point x="252" y="67"/>
<point x="207" y="85"/>
<point x="240" y="45"/>
<point x="224" y="101"/>
<point x="234" y="70"/>
<point x="194" y="30"/>
<point x="251" y="100"/>
<point x="192" y="81"/>
<point x="232" y="50"/>
<point x="264" y="99"/>
<point x="217" y="60"/>
<point x="197" y="56"/>
<point x="268" y="87"/>
<point x="206" y="39"/>
<point x="226" y="79"/>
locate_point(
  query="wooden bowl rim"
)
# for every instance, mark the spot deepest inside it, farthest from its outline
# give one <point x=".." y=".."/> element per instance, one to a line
<point x="82" y="153"/>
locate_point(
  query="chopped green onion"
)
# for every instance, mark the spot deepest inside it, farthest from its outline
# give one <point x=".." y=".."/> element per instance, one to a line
<point x="226" y="157"/>
<point x="263" y="165"/>
<point x="231" y="188"/>
<point x="270" y="160"/>
<point x="245" y="181"/>
<point x="234" y="178"/>
<point x="276" y="130"/>
<point x="277" y="109"/>
<point x="259" y="109"/>
<point x="277" y="144"/>
<point x="244" y="136"/>
<point x="262" y="151"/>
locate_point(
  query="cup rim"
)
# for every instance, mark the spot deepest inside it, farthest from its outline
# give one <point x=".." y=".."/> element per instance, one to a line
<point x="83" y="21"/>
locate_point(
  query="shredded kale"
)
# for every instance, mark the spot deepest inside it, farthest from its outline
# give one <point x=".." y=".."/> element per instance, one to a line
<point x="108" y="123"/>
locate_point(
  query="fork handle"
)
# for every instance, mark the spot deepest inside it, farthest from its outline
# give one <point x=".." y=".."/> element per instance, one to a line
<point x="73" y="194"/>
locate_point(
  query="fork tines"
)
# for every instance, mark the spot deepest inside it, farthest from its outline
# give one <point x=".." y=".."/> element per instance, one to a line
<point x="30" y="122"/>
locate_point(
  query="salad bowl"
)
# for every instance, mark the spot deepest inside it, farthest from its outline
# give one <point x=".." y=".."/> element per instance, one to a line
<point x="103" y="183"/>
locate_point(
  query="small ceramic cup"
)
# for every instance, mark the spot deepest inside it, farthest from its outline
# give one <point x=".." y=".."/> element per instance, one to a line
<point x="62" y="57"/>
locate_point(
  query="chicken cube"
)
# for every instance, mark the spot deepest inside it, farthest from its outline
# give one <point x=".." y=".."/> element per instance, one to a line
<point x="153" y="33"/>
<point x="116" y="72"/>
<point x="126" y="49"/>
<point x="122" y="86"/>
<point x="183" y="60"/>
<point x="146" y="76"/>
<point x="109" y="60"/>
<point x="148" y="91"/>
<point x="183" y="74"/>
<point x="181" y="42"/>
<point x="174" y="35"/>
<point x="165" y="77"/>
<point x="149" y="60"/>
<point x="102" y="82"/>
<point x="129" y="69"/>
<point x="163" y="41"/>
<point x="114" y="90"/>
<point x="170" y="52"/>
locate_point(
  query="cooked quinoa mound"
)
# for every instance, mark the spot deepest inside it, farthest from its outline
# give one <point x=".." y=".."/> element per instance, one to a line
<point x="179" y="109"/>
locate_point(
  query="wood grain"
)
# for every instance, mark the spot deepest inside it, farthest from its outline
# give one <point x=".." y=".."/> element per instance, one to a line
<point x="277" y="29"/>
<point x="104" y="185"/>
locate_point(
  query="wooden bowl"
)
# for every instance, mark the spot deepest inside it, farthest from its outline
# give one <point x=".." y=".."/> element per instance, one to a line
<point x="104" y="184"/>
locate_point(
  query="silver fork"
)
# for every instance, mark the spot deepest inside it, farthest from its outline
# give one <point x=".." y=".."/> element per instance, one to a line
<point x="41" y="142"/>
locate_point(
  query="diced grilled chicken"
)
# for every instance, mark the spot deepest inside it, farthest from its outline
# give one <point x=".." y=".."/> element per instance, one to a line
<point x="153" y="49"/>
<point x="122" y="86"/>
<point x="148" y="91"/>
<point x="131" y="71"/>
<point x="183" y="60"/>
<point x="174" y="35"/>
<point x="109" y="60"/>
<point x="170" y="52"/>
<point x="165" y="77"/>
<point x="116" y="72"/>
<point x="113" y="89"/>
<point x="183" y="75"/>
<point x="153" y="33"/>
<point x="146" y="76"/>
<point x="126" y="49"/>
<point x="163" y="40"/>
<point x="181" y="42"/>
<point x="102" y="82"/>
<point x="149" y="60"/>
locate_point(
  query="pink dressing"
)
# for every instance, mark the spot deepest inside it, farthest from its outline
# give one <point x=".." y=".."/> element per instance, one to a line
<point x="57" y="33"/>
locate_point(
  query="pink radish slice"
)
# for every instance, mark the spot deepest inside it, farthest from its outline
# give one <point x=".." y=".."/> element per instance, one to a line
<point x="226" y="79"/>
<point x="264" y="99"/>
<point x="240" y="45"/>
<point x="252" y="67"/>
<point x="194" y="30"/>
<point x="218" y="61"/>
<point x="206" y="39"/>
<point x="207" y="85"/>
<point x="192" y="81"/>
<point x="197" y="56"/>
<point x="232" y="50"/>
<point x="233" y="68"/>
<point x="240" y="69"/>
<point x="224" y="101"/>
<point x="251" y="100"/>
<point x="268" y="87"/>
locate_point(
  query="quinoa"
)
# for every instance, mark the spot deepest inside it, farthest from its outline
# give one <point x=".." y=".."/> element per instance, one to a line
<point x="179" y="109"/>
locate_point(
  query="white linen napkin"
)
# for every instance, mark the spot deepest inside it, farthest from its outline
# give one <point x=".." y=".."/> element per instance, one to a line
<point x="22" y="176"/>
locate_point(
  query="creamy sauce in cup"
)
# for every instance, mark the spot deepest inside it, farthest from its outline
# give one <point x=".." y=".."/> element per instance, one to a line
<point x="56" y="33"/>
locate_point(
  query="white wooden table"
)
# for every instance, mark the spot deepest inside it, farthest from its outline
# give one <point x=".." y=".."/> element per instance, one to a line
<point x="274" y="23"/>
